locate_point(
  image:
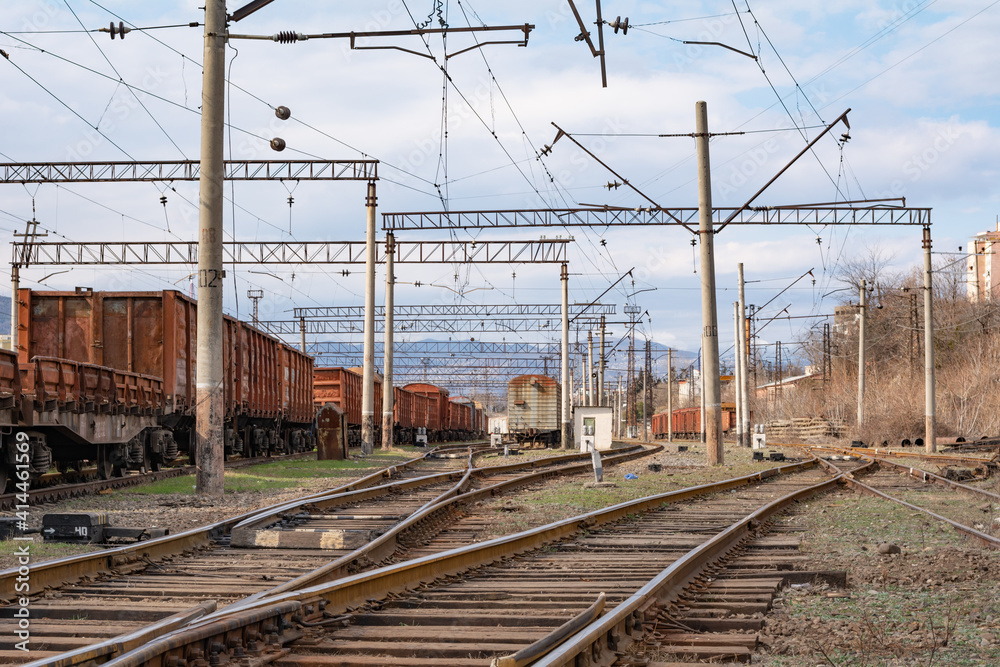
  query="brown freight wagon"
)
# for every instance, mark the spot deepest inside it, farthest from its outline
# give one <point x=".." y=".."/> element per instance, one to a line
<point x="534" y="408"/>
<point x="437" y="409"/>
<point x="687" y="422"/>
<point x="343" y="387"/>
<point x="154" y="334"/>
<point x="460" y="417"/>
<point x="402" y="414"/>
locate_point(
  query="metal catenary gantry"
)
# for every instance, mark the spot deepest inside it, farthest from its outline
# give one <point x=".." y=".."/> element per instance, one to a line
<point x="544" y="251"/>
<point x="187" y="170"/>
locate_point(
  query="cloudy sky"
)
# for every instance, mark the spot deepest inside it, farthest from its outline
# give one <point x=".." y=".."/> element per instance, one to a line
<point x="919" y="76"/>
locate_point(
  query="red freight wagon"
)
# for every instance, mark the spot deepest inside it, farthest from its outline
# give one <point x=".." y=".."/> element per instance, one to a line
<point x="154" y="334"/>
<point x="438" y="406"/>
<point x="421" y="410"/>
<point x="687" y="422"/>
<point x="402" y="408"/>
<point x="296" y="390"/>
<point x="343" y="387"/>
<point x="460" y="417"/>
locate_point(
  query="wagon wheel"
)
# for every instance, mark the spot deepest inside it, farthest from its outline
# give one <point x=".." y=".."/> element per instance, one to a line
<point x="3" y="479"/>
<point x="118" y="471"/>
<point x="104" y="468"/>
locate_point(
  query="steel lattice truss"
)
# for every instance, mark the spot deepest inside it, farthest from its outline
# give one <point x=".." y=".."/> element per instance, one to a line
<point x="188" y="170"/>
<point x="621" y="217"/>
<point x="290" y="327"/>
<point x="511" y="310"/>
<point x="546" y="251"/>
<point x="445" y="349"/>
<point x="466" y="366"/>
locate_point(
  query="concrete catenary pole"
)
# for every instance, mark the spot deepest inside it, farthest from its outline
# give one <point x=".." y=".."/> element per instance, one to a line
<point x="302" y="334"/>
<point x="388" y="395"/>
<point x="861" y="357"/>
<point x="930" y="416"/>
<point x="368" y="368"/>
<point x="737" y="375"/>
<point x="645" y="395"/>
<point x="600" y="368"/>
<point x="618" y="409"/>
<point x="701" y="393"/>
<point x="709" y="319"/>
<point x="590" y="368"/>
<point x="670" y="395"/>
<point x="564" y="431"/>
<point x="744" y="359"/>
<point x="209" y="400"/>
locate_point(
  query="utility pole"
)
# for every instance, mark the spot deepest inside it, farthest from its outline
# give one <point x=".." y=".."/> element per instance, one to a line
<point x="209" y="400"/>
<point x="930" y="444"/>
<point x="600" y="369"/>
<point x="861" y="357"/>
<point x="590" y="367"/>
<point x="743" y="359"/>
<point x="709" y="319"/>
<point x="738" y="375"/>
<point x="701" y="394"/>
<point x="647" y="392"/>
<point x="564" y="432"/>
<point x="368" y="367"/>
<point x="618" y="409"/>
<point x="388" y="395"/>
<point x="302" y="334"/>
<point x="670" y="395"/>
<point x="827" y="356"/>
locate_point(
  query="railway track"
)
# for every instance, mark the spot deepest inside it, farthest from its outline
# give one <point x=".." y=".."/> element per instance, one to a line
<point x="505" y="596"/>
<point x="54" y="491"/>
<point x="133" y="587"/>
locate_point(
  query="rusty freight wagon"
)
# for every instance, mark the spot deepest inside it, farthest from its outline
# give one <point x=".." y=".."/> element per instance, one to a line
<point x="687" y="422"/>
<point x="343" y="387"/>
<point x="266" y="384"/>
<point x="534" y="409"/>
<point x="437" y="409"/>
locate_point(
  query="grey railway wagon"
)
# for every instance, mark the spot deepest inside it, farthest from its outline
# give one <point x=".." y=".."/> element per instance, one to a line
<point x="534" y="408"/>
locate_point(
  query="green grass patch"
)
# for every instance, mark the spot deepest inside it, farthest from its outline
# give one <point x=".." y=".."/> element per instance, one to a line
<point x="40" y="550"/>
<point x="282" y="474"/>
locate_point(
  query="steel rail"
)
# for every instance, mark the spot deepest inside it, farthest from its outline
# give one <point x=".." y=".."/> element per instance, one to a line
<point x="986" y="540"/>
<point x="248" y="531"/>
<point x="878" y="452"/>
<point x="529" y="654"/>
<point x="931" y="478"/>
<point x="615" y="628"/>
<point x="57" y="492"/>
<point x="62" y="571"/>
<point x="388" y="543"/>
<point x="96" y="653"/>
<point x="121" y="644"/>
<point x="324" y="600"/>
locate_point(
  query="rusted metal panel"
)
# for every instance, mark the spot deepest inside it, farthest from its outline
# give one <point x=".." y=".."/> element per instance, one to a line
<point x="331" y="434"/>
<point x="10" y="387"/>
<point x="296" y="385"/>
<point x="438" y="404"/>
<point x="421" y="410"/>
<point x="402" y="408"/>
<point x="154" y="334"/>
<point x="460" y="414"/>
<point x="533" y="403"/>
<point x="340" y="387"/>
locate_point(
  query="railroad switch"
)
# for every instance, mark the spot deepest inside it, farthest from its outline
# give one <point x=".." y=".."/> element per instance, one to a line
<point x="92" y="528"/>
